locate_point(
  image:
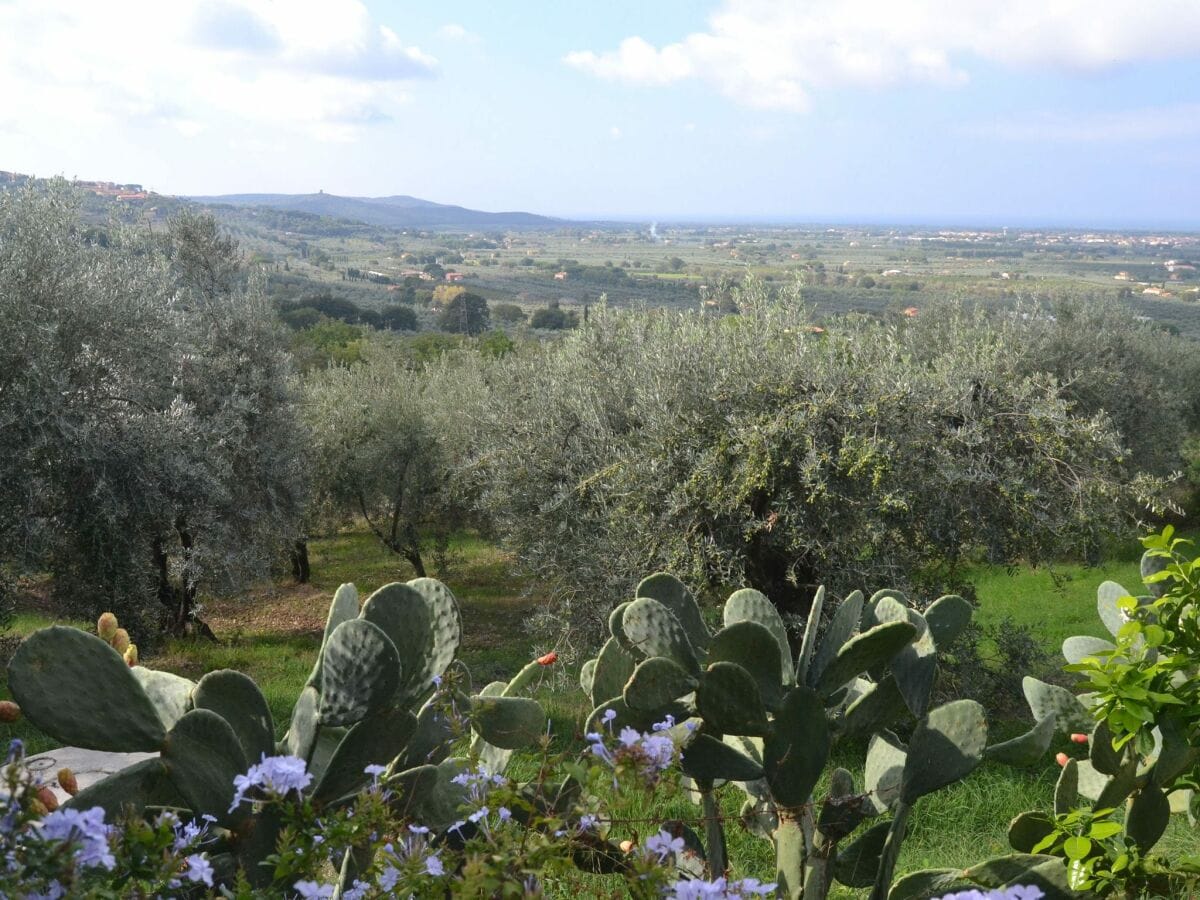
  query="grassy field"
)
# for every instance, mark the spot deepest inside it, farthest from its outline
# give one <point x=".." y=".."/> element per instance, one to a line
<point x="273" y="635"/>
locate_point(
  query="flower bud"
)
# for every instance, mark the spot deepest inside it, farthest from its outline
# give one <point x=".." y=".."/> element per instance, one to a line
<point x="1062" y="759"/>
<point x="1079" y="738"/>
<point x="120" y="640"/>
<point x="37" y="807"/>
<point x="549" y="659"/>
<point x="106" y="626"/>
<point x="131" y="655"/>
<point x="68" y="782"/>
<point x="9" y="712"/>
<point x="46" y="797"/>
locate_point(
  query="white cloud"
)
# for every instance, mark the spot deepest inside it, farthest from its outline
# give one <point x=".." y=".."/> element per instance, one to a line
<point x="772" y="54"/>
<point x="455" y="32"/>
<point x="323" y="69"/>
<point x="615" y="133"/>
<point x="1149" y="124"/>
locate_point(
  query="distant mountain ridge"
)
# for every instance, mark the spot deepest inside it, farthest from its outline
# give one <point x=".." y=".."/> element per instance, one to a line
<point x="399" y="211"/>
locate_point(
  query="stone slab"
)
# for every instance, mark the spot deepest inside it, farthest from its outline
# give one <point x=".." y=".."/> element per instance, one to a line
<point x="89" y="766"/>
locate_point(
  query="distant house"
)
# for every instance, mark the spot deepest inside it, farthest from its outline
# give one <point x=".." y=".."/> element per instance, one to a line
<point x="560" y="276"/>
<point x="1122" y="276"/>
<point x="455" y="276"/>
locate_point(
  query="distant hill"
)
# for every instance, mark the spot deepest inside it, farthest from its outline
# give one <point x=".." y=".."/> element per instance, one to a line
<point x="397" y="212"/>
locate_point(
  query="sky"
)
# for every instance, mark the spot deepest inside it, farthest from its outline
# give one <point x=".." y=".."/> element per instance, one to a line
<point x="1073" y="112"/>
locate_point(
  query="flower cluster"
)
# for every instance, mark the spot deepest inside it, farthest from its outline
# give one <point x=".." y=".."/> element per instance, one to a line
<point x="274" y="775"/>
<point x="648" y="754"/>
<point x="1013" y="892"/>
<point x="720" y="889"/>
<point x="70" y="852"/>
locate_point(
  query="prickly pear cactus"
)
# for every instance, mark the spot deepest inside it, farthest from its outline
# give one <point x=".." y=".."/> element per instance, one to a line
<point x="765" y="714"/>
<point x="371" y="699"/>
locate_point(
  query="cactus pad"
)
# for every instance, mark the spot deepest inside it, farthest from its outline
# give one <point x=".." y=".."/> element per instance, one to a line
<point x="655" y="631"/>
<point x="795" y="752"/>
<point x="878" y="706"/>
<point x="707" y="759"/>
<point x="1027" y="830"/>
<point x="655" y="683"/>
<point x="613" y="668"/>
<point x="842" y="626"/>
<point x="79" y="690"/>
<point x="809" y="644"/>
<point x="1148" y="816"/>
<point x="749" y="605"/>
<point x="947" y="617"/>
<point x="752" y="646"/>
<point x="343" y="608"/>
<point x="445" y="622"/>
<point x="359" y="675"/>
<point x="857" y="864"/>
<point x="134" y="788"/>
<point x="874" y="646"/>
<point x="587" y="676"/>
<point x="915" y="665"/>
<point x="1025" y="749"/>
<point x="729" y="701"/>
<point x="170" y="694"/>
<point x="883" y="775"/>
<point x="1080" y="646"/>
<point x="374" y="741"/>
<point x="1051" y="699"/>
<point x="302" y="731"/>
<point x="1108" y="596"/>
<point x="675" y="596"/>
<point x="946" y="746"/>
<point x="203" y="756"/>
<point x="508" y="722"/>
<point x="402" y="614"/>
<point x="1152" y="564"/>
<point x="237" y="699"/>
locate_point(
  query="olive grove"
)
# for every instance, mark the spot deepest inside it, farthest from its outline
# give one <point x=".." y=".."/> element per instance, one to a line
<point x="148" y="430"/>
<point x="757" y="450"/>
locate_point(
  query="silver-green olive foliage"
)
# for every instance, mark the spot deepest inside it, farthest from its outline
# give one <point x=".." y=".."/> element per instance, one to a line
<point x="756" y="450"/>
<point x="148" y="435"/>
<point x="381" y="454"/>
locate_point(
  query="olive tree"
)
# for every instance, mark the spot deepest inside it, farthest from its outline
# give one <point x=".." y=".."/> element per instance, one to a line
<point x="750" y="450"/>
<point x="150" y="438"/>
<point x="378" y="454"/>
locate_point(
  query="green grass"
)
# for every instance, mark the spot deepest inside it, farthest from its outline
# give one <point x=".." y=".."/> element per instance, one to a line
<point x="954" y="827"/>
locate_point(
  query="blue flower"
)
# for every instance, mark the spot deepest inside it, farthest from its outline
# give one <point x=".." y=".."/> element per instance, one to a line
<point x="199" y="869"/>
<point x="389" y="878"/>
<point x="433" y="865"/>
<point x="1012" y="892"/>
<point x="275" y="775"/>
<point x="720" y="889"/>
<point x="312" y="890"/>
<point x="87" y="829"/>
<point x="663" y="845"/>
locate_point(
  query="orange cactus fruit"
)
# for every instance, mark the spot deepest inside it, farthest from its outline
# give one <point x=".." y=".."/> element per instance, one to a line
<point x="106" y="626"/>
<point x="68" y="782"/>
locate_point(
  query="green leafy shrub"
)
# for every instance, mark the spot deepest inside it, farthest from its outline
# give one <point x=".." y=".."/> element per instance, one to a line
<point x="1137" y="722"/>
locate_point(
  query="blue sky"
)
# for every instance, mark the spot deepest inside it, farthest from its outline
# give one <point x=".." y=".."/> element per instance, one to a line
<point x="1079" y="112"/>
